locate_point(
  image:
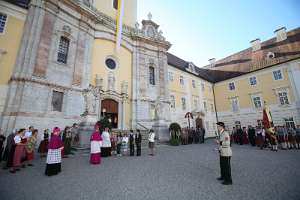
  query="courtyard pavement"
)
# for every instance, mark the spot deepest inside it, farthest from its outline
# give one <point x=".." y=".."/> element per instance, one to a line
<point x="183" y="172"/>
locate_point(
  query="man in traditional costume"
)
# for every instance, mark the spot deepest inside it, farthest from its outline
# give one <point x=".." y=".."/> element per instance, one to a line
<point x="96" y="143"/>
<point x="225" y="154"/>
<point x="55" y="147"/>
<point x="269" y="127"/>
<point x="19" y="150"/>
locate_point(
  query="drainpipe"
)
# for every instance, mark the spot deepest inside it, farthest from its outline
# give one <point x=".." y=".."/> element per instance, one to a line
<point x="217" y="118"/>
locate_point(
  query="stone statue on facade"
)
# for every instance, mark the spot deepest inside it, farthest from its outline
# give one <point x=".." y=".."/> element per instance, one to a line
<point x="90" y="97"/>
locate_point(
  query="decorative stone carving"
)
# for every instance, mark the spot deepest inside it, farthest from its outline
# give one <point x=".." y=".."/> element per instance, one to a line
<point x="91" y="95"/>
<point x="124" y="87"/>
<point x="99" y="82"/>
<point x="149" y="16"/>
<point x="67" y="30"/>
<point x="111" y="81"/>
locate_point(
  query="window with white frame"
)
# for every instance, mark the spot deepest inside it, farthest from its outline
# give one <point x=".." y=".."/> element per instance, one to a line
<point x="205" y="106"/>
<point x="183" y="103"/>
<point x="212" y="107"/>
<point x="202" y="86"/>
<point x="194" y="83"/>
<point x="181" y="80"/>
<point x="195" y="104"/>
<point x="171" y="77"/>
<point x="283" y="98"/>
<point x="231" y="86"/>
<point x="277" y="75"/>
<point x="3" y="19"/>
<point x="253" y="80"/>
<point x="207" y="125"/>
<point x="257" y="102"/>
<point x="234" y="104"/>
<point x="172" y="99"/>
<point x="63" y="49"/>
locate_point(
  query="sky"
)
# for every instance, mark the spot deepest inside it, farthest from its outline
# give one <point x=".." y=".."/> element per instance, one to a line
<point x="199" y="30"/>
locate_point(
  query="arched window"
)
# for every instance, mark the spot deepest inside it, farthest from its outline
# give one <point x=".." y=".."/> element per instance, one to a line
<point x="151" y="75"/>
<point x="115" y="4"/>
<point x="63" y="49"/>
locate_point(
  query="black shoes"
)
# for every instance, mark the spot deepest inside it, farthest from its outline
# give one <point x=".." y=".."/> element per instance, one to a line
<point x="220" y="179"/>
<point x="227" y="183"/>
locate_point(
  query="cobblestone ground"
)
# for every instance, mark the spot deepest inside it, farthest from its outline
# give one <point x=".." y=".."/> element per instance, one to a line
<point x="183" y="172"/>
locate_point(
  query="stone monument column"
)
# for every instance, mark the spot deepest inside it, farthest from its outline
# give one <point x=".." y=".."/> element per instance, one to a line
<point x="90" y="116"/>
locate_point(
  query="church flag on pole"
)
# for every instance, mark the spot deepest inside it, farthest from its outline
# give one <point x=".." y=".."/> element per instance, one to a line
<point x="267" y="120"/>
<point x="119" y="23"/>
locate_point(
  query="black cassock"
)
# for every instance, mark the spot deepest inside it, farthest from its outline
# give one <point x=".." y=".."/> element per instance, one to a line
<point x="131" y="144"/>
<point x="138" y="142"/>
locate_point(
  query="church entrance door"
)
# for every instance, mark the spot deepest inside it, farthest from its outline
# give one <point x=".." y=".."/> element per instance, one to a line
<point x="109" y="109"/>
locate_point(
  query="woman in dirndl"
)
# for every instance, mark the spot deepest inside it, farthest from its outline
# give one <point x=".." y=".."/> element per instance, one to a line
<point x="55" y="147"/>
<point x="96" y="143"/>
<point x="31" y="142"/>
<point x="19" y="150"/>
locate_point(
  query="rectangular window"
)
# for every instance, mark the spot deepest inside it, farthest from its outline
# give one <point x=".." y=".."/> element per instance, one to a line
<point x="57" y="101"/>
<point x="212" y="107"/>
<point x="194" y="83"/>
<point x="171" y="77"/>
<point x="283" y="98"/>
<point x="234" y="104"/>
<point x="277" y="75"/>
<point x="3" y="19"/>
<point x="257" y="102"/>
<point x="252" y="80"/>
<point x="195" y="104"/>
<point x="202" y="87"/>
<point x="183" y="103"/>
<point x="115" y="4"/>
<point x="231" y="86"/>
<point x="151" y="76"/>
<point x="63" y="50"/>
<point x="172" y="97"/>
<point x="181" y="80"/>
<point x="205" y="106"/>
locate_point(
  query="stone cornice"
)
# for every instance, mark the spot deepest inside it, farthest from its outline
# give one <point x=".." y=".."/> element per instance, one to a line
<point x="43" y="82"/>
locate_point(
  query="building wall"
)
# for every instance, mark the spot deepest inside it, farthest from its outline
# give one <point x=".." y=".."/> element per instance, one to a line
<point x="9" y="44"/>
<point x="266" y="87"/>
<point x="191" y="94"/>
<point x="102" y="50"/>
<point x="130" y="10"/>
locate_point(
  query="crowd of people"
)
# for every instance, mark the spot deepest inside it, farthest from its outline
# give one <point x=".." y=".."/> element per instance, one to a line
<point x="284" y="137"/>
<point x="20" y="146"/>
<point x="192" y="135"/>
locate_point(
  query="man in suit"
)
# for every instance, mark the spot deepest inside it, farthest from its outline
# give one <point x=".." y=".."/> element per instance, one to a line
<point x="138" y="142"/>
<point x="225" y="154"/>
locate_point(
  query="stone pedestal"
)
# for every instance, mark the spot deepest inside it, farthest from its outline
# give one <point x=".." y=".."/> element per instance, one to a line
<point x="161" y="130"/>
<point x="86" y="128"/>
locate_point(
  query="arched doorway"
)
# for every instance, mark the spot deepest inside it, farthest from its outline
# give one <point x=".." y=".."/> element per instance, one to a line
<point x="109" y="109"/>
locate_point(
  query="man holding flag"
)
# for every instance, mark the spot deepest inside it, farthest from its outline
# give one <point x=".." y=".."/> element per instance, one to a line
<point x="269" y="127"/>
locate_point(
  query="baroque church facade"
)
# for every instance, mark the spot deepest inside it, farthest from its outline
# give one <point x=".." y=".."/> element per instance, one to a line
<point x="60" y="64"/>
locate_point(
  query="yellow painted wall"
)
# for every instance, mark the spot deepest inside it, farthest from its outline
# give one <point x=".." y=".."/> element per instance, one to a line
<point x="103" y="49"/>
<point x="10" y="42"/>
<point x="243" y="90"/>
<point x="180" y="91"/>
<point x="130" y="10"/>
